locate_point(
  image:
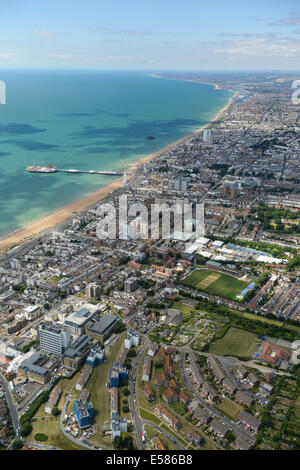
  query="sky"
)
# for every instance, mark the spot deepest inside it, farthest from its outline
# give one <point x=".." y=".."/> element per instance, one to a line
<point x="150" y="34"/>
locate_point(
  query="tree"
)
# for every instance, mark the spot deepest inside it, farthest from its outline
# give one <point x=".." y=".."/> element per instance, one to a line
<point x="119" y="327"/>
<point x="131" y="353"/>
<point x="130" y="427"/>
<point x="26" y="429"/>
<point x="41" y="437"/>
<point x="49" y="253"/>
<point x="230" y="437"/>
<point x="55" y="411"/>
<point x="117" y="442"/>
<point x="126" y="392"/>
<point x="158" y="364"/>
<point x="17" y="445"/>
<point x="128" y="443"/>
<point x="62" y="295"/>
<point x="125" y="409"/>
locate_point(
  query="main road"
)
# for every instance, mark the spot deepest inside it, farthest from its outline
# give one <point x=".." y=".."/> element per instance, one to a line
<point x="11" y="405"/>
<point x="135" y="412"/>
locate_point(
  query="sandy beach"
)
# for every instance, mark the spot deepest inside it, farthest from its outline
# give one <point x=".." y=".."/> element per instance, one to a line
<point x="60" y="215"/>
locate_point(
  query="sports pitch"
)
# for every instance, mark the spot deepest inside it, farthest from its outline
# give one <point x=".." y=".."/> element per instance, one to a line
<point x="216" y="283"/>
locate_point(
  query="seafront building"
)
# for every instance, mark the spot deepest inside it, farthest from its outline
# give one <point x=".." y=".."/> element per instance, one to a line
<point x="208" y="136"/>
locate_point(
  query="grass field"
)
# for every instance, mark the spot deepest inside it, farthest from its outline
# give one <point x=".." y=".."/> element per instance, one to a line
<point x="236" y="342"/>
<point x="179" y="408"/>
<point x="229" y="408"/>
<point x="183" y="307"/>
<point x="151" y="432"/>
<point x="50" y="426"/>
<point x="145" y="414"/>
<point x="216" y="283"/>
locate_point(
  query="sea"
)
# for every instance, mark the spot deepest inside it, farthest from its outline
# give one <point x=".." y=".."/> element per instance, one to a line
<point x="90" y="120"/>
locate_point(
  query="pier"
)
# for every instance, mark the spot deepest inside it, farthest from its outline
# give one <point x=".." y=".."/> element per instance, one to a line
<point x="91" y="172"/>
<point x="53" y="169"/>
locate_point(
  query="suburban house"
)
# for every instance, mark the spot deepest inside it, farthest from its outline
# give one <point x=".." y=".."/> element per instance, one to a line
<point x="170" y="395"/>
<point x="242" y="444"/>
<point x="184" y="398"/>
<point x="202" y="417"/>
<point x="165" y="414"/>
<point x="194" y="437"/>
<point x="149" y="394"/>
<point x="218" y="428"/>
<point x="253" y="380"/>
<point x="229" y="386"/>
<point x="244" y="398"/>
<point x="209" y="392"/>
<point x="242" y="372"/>
<point x="162" y="380"/>
<point x="249" y="421"/>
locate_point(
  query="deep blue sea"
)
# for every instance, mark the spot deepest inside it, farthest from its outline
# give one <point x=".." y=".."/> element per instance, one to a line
<point x="86" y="120"/>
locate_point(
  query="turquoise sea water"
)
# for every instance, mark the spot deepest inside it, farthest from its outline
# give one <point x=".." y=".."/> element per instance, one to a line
<point x="86" y="120"/>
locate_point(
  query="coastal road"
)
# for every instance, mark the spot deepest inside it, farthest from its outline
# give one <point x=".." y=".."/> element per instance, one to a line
<point x="32" y="242"/>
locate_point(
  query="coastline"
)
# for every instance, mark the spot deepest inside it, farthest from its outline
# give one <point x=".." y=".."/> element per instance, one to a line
<point x="216" y="85"/>
<point x="55" y="218"/>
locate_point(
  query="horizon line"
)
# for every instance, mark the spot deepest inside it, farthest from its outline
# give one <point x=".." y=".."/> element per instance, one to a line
<point x="150" y="70"/>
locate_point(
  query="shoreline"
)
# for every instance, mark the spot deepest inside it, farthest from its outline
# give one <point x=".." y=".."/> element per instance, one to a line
<point x="58" y="216"/>
<point x="216" y="85"/>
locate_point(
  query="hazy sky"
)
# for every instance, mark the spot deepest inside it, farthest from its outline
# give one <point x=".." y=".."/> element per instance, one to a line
<point x="150" y="34"/>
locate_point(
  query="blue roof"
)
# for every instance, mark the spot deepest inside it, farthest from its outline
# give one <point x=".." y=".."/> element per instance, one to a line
<point x="248" y="289"/>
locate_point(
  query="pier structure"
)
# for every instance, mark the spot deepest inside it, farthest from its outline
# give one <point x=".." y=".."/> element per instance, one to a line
<point x="53" y="169"/>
